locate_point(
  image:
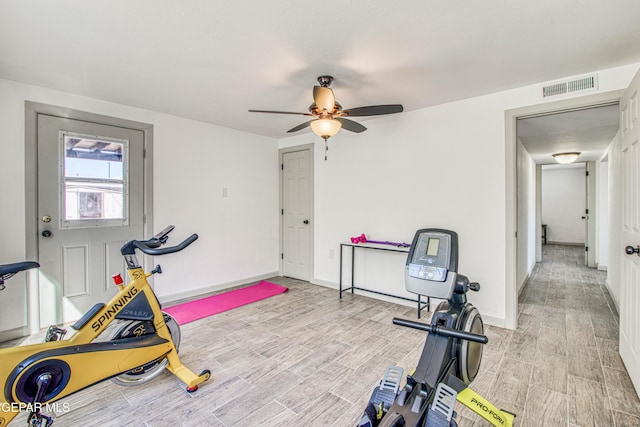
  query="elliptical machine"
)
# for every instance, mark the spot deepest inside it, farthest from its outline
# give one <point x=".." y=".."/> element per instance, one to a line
<point x="452" y="352"/>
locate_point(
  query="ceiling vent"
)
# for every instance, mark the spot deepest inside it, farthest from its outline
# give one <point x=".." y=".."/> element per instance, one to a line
<point x="581" y="84"/>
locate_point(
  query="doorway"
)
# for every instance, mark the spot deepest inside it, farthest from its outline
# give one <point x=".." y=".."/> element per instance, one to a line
<point x="296" y="208"/>
<point x="624" y="165"/>
<point x="511" y="141"/>
<point x="92" y="187"/>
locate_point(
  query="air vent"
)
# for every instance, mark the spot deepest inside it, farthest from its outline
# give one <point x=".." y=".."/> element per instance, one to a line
<point x="570" y="86"/>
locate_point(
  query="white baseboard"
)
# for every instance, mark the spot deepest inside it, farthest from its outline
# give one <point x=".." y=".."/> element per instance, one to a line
<point x="364" y="293"/>
<point x="566" y="243"/>
<point x="12" y="334"/>
<point x="489" y="320"/>
<point x="170" y="298"/>
<point x="500" y="322"/>
<point x="325" y="283"/>
<point x="612" y="295"/>
<point x="525" y="280"/>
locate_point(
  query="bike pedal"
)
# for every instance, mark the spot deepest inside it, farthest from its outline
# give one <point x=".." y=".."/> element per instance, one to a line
<point x="40" y="420"/>
<point x="440" y="413"/>
<point x="386" y="393"/>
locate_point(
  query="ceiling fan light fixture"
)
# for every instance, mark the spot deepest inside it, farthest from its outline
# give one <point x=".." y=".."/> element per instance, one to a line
<point x="566" y="158"/>
<point x="325" y="127"/>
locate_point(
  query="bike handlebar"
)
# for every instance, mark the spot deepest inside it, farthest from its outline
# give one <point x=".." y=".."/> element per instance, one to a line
<point x="152" y="246"/>
<point x="7" y="271"/>
<point x="163" y="251"/>
<point x="163" y="234"/>
<point x="442" y="330"/>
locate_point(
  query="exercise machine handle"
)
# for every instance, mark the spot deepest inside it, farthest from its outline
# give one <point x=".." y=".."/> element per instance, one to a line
<point x="442" y="330"/>
<point x="163" y="251"/>
<point x="152" y="245"/>
<point x="7" y="271"/>
<point x="162" y="236"/>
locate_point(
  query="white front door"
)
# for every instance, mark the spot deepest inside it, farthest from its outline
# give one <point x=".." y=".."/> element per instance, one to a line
<point x="90" y="201"/>
<point x="630" y="232"/>
<point x="296" y="214"/>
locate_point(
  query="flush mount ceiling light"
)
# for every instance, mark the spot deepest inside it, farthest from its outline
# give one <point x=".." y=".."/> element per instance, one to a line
<point x="566" y="158"/>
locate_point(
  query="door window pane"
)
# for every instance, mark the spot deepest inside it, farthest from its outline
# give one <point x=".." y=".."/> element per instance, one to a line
<point x="94" y="172"/>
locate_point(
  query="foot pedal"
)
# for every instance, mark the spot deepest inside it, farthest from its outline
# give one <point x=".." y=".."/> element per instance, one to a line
<point x="386" y="393"/>
<point x="39" y="420"/>
<point x="440" y="413"/>
<point x="55" y="334"/>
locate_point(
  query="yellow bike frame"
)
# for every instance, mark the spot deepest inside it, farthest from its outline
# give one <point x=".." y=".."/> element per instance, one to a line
<point x="83" y="362"/>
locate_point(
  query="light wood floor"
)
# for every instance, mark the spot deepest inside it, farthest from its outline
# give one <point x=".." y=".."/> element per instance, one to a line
<point x="304" y="358"/>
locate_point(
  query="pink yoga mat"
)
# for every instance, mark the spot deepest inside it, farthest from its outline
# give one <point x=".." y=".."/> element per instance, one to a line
<point x="199" y="309"/>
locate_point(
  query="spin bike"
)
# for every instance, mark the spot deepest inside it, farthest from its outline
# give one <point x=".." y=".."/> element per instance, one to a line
<point x="144" y="342"/>
<point x="452" y="352"/>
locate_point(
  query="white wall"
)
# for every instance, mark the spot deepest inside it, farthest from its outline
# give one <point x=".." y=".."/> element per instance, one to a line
<point x="602" y="214"/>
<point x="442" y="166"/>
<point x="539" y="213"/>
<point x="192" y="162"/>
<point x="615" y="217"/>
<point x="563" y="203"/>
<point x="526" y="260"/>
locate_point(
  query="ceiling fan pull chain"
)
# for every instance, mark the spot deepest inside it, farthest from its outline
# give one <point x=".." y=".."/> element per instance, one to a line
<point x="326" y="148"/>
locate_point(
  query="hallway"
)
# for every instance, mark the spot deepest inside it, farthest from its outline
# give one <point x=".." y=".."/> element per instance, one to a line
<point x="568" y="328"/>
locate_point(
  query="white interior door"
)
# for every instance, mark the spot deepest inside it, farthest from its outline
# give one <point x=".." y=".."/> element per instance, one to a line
<point x="590" y="215"/>
<point x="296" y="214"/>
<point x="630" y="233"/>
<point x="90" y="201"/>
<point x="585" y="216"/>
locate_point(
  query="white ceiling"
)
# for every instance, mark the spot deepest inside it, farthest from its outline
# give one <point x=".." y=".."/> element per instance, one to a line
<point x="212" y="60"/>
<point x="587" y="131"/>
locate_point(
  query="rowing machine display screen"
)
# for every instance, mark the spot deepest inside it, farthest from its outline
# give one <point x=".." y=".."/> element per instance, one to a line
<point x="432" y="263"/>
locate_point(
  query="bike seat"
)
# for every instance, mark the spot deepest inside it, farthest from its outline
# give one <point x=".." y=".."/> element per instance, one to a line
<point x="9" y="270"/>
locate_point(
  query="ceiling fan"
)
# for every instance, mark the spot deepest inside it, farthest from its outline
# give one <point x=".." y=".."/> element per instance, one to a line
<point x="328" y="115"/>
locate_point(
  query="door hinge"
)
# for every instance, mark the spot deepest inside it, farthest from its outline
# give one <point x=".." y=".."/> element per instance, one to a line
<point x="586" y="173"/>
<point x="144" y="153"/>
<point x="281" y="256"/>
<point x="586" y="211"/>
<point x="282" y="166"/>
<point x="281" y="211"/>
<point x="586" y="248"/>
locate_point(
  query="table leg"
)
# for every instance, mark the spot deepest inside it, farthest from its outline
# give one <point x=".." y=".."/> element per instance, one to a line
<point x="353" y="257"/>
<point x="340" y="271"/>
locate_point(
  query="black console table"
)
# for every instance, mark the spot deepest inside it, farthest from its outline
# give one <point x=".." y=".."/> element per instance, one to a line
<point x="377" y="247"/>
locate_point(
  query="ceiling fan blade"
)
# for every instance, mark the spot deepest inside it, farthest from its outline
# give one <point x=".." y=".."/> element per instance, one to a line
<point x="324" y="99"/>
<point x="350" y="125"/>
<point x="279" y="112"/>
<point x="300" y="127"/>
<point x="374" y="110"/>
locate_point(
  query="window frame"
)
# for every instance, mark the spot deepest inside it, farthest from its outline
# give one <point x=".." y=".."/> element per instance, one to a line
<point x="63" y="180"/>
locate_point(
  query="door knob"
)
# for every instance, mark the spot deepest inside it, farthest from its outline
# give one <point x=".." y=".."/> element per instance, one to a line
<point x="306" y="221"/>
<point x="630" y="250"/>
<point x="46" y="233"/>
<point x="46" y="218"/>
